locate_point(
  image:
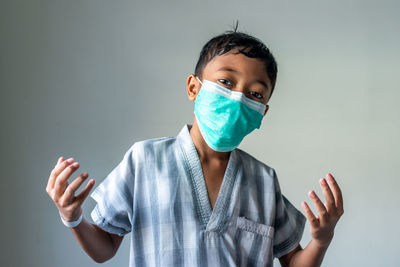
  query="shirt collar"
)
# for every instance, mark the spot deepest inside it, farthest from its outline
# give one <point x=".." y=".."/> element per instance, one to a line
<point x="185" y="137"/>
<point x="212" y="220"/>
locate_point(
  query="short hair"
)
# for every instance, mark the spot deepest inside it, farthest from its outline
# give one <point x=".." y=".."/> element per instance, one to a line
<point x="248" y="45"/>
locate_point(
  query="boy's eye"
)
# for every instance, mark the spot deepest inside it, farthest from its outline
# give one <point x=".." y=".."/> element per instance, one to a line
<point x="225" y="82"/>
<point x="257" y="95"/>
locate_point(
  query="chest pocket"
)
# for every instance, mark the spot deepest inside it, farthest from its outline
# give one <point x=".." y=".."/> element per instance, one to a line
<point x="254" y="243"/>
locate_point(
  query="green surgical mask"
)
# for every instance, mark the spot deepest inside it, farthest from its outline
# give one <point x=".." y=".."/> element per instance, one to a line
<point x="224" y="116"/>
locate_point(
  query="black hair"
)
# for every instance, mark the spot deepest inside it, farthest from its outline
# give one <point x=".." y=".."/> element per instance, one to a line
<point x="248" y="45"/>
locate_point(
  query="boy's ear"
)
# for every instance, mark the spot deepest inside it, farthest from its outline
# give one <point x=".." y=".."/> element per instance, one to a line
<point x="266" y="109"/>
<point x="192" y="87"/>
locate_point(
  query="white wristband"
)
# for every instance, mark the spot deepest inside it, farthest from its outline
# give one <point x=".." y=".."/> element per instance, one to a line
<point x="72" y="224"/>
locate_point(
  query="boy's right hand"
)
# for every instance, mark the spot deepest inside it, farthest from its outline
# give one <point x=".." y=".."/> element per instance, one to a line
<point x="63" y="194"/>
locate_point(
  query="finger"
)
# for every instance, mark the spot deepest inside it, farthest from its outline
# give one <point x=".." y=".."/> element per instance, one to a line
<point x="322" y="213"/>
<point x="336" y="192"/>
<point x="69" y="193"/>
<point x="314" y="222"/>
<point x="60" y="159"/>
<point x="85" y="192"/>
<point x="61" y="182"/>
<point x="56" y="171"/>
<point x="52" y="177"/>
<point x="329" y="198"/>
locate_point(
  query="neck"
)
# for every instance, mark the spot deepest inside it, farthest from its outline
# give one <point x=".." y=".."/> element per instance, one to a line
<point x="204" y="151"/>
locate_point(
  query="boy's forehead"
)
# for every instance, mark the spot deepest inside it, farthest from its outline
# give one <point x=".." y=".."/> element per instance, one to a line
<point x="238" y="62"/>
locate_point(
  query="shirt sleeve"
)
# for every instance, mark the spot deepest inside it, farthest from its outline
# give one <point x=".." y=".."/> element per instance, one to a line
<point x="114" y="197"/>
<point x="289" y="224"/>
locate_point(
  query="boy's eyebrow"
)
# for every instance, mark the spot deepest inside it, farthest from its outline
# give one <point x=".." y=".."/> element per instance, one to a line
<point x="263" y="83"/>
<point x="227" y="69"/>
<point x="233" y="70"/>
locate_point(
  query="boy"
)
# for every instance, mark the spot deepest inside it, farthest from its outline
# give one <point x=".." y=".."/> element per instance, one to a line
<point x="196" y="199"/>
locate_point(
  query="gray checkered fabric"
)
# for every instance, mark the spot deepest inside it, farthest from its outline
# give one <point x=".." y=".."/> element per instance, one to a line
<point x="158" y="193"/>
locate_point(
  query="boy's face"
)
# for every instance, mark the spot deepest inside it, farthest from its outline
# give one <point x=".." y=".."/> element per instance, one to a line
<point x="236" y="72"/>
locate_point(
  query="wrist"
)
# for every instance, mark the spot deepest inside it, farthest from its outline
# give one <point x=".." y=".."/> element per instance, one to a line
<point x="320" y="245"/>
<point x="71" y="224"/>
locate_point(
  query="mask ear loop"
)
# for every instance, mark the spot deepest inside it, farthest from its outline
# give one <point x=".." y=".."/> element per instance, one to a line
<point x="199" y="80"/>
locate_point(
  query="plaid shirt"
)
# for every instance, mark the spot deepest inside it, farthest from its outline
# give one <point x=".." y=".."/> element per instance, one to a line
<point x="158" y="193"/>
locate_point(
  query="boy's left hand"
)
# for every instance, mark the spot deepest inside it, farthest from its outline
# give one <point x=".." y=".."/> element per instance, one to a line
<point x="329" y="213"/>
